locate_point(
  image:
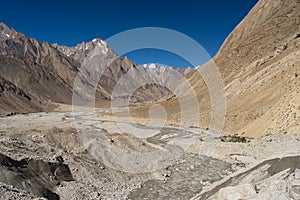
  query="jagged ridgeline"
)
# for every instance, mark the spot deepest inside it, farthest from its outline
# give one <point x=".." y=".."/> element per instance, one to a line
<point x="33" y="75"/>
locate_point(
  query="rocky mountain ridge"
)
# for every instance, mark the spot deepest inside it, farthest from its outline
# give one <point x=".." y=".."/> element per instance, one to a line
<point x="44" y="74"/>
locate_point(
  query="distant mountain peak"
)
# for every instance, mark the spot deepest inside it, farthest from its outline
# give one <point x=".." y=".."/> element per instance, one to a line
<point x="79" y="51"/>
<point x="160" y="67"/>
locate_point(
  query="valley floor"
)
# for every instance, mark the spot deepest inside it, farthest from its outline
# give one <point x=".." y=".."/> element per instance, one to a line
<point x="208" y="159"/>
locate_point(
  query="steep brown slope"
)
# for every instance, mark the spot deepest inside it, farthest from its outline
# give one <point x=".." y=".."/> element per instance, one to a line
<point x="259" y="64"/>
<point x="269" y="29"/>
<point x="40" y="72"/>
<point x="21" y="101"/>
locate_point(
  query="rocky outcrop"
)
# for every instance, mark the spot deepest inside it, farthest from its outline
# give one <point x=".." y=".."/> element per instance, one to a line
<point x="36" y="176"/>
<point x="275" y="178"/>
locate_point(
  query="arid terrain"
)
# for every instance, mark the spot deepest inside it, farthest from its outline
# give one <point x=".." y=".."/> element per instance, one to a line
<point x="229" y="140"/>
<point x="29" y="136"/>
<point x="259" y="64"/>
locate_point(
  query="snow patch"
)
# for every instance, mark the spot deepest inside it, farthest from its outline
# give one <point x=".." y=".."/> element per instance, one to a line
<point x="103" y="46"/>
<point x="152" y="66"/>
<point x="7" y="35"/>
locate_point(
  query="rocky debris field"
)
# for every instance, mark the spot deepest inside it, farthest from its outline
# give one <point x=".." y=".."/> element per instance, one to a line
<point x="277" y="178"/>
<point x="32" y="140"/>
<point x="10" y="192"/>
<point x="184" y="179"/>
<point x="32" y="151"/>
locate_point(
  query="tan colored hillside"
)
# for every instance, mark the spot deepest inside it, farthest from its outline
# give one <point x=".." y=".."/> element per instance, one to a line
<point x="260" y="66"/>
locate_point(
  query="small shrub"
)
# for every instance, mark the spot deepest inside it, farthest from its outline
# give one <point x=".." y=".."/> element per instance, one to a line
<point x="234" y="138"/>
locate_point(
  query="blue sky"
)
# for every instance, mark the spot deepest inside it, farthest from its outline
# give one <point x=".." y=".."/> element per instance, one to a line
<point x="71" y="22"/>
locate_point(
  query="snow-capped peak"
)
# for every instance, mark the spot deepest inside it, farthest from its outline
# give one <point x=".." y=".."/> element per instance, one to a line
<point x="161" y="68"/>
<point x="100" y="43"/>
<point x="80" y="51"/>
<point x="152" y="66"/>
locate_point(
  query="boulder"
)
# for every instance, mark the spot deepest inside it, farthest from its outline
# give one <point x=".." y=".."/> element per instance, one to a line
<point x="297" y="173"/>
<point x="236" y="192"/>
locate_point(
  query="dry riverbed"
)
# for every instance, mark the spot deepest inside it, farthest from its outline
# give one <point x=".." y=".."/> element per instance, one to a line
<point x="44" y="140"/>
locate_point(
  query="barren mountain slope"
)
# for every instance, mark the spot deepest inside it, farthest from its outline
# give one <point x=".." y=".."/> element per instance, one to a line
<point x="21" y="101"/>
<point x="38" y="70"/>
<point x="259" y="64"/>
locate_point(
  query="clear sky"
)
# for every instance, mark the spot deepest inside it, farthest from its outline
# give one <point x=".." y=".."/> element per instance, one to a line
<point x="70" y="22"/>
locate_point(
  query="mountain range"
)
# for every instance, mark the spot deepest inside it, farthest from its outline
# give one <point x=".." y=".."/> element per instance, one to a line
<point x="258" y="63"/>
<point x="35" y="75"/>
